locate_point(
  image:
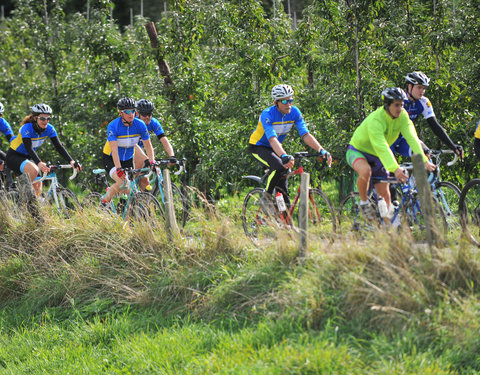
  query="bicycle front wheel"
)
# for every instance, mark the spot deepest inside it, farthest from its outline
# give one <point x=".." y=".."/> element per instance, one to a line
<point x="469" y="210"/>
<point x="180" y="203"/>
<point x="448" y="195"/>
<point x="321" y="216"/>
<point x="351" y="217"/>
<point x="67" y="202"/>
<point x="145" y="208"/>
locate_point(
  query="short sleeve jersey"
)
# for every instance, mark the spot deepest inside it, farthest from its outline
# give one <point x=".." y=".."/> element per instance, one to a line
<point x="273" y="123"/>
<point x="126" y="136"/>
<point x="5" y="127"/>
<point x="154" y="127"/>
<point x="27" y="131"/>
<point x="423" y="107"/>
<point x="477" y="130"/>
<point x="379" y="131"/>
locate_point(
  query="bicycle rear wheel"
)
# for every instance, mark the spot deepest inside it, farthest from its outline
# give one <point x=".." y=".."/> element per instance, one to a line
<point x="448" y="195"/>
<point x="469" y="210"/>
<point x="350" y="216"/>
<point x="259" y="226"/>
<point x="145" y="208"/>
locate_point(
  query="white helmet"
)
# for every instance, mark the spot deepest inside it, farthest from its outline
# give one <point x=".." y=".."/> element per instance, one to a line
<point x="282" y="91"/>
<point x="42" y="108"/>
<point x="2" y="108"/>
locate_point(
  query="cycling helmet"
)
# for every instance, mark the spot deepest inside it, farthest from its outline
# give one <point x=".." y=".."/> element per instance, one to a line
<point x="145" y="106"/>
<point x="126" y="103"/>
<point x="417" y="78"/>
<point x="391" y="94"/>
<point x="42" y="108"/>
<point x="282" y="91"/>
<point x="2" y="108"/>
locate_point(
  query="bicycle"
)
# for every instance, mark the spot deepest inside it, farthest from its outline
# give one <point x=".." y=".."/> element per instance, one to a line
<point x="64" y="199"/>
<point x="406" y="213"/>
<point x="261" y="226"/>
<point x="469" y="210"/>
<point x="134" y="206"/>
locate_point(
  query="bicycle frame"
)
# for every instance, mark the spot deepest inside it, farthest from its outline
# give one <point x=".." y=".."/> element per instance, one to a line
<point x="52" y="177"/>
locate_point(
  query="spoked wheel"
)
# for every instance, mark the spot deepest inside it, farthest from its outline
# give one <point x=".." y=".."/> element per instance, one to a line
<point x="322" y="222"/>
<point x="67" y="201"/>
<point x="448" y="195"/>
<point x="413" y="219"/>
<point x="180" y="203"/>
<point x="259" y="225"/>
<point x="351" y="217"/>
<point x="145" y="208"/>
<point x="469" y="209"/>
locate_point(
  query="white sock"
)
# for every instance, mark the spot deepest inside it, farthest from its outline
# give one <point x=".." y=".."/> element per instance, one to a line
<point x="362" y="203"/>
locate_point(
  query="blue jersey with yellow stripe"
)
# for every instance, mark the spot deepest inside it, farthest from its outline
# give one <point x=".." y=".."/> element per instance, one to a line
<point x="5" y="127"/>
<point x="126" y="136"/>
<point x="155" y="127"/>
<point x="423" y="107"/>
<point x="477" y="131"/>
<point x="273" y="123"/>
<point x="27" y="131"/>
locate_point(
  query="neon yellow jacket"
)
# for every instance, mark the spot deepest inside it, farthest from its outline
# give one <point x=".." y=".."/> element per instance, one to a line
<point x="379" y="131"/>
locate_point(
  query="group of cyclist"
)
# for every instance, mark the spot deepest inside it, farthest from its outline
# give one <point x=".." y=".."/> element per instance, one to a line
<point x="388" y="130"/>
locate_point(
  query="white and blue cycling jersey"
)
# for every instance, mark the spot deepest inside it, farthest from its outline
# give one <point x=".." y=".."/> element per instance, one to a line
<point x="153" y="127"/>
<point x="126" y="136"/>
<point x="27" y="131"/>
<point x="5" y="127"/>
<point x="273" y="123"/>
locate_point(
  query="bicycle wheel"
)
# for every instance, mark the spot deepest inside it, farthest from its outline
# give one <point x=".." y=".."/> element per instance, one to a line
<point x="412" y="218"/>
<point x="321" y="215"/>
<point x="179" y="203"/>
<point x="448" y="195"/>
<point x="469" y="210"/>
<point x="145" y="208"/>
<point x="67" y="201"/>
<point x="351" y="218"/>
<point x="257" y="224"/>
<point x="92" y="199"/>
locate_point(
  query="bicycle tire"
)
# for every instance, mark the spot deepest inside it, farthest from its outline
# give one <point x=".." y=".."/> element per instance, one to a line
<point x="469" y="211"/>
<point x="259" y="226"/>
<point x="67" y="201"/>
<point x="179" y="202"/>
<point x="448" y="195"/>
<point x="321" y="216"/>
<point x="145" y="208"/>
<point x="350" y="216"/>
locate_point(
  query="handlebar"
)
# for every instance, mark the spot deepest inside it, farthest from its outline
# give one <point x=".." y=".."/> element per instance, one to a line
<point x="180" y="163"/>
<point x="57" y="166"/>
<point x="437" y="153"/>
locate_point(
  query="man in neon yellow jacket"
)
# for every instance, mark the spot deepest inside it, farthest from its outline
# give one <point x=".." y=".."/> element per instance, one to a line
<point x="369" y="152"/>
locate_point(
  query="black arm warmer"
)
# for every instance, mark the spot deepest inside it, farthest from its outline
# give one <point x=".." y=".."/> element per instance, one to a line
<point x="9" y="137"/>
<point x="27" y="142"/>
<point x="439" y="131"/>
<point x="60" y="149"/>
<point x="160" y="136"/>
<point x="476" y="147"/>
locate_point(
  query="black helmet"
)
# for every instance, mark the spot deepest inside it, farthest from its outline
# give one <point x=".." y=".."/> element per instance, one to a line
<point x="417" y="78"/>
<point x="145" y="106"/>
<point x="126" y="103"/>
<point x="42" y="108"/>
<point x="391" y="94"/>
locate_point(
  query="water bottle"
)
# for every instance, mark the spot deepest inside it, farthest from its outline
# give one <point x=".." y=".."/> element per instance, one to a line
<point x="280" y="202"/>
<point x="391" y="209"/>
<point x="382" y="207"/>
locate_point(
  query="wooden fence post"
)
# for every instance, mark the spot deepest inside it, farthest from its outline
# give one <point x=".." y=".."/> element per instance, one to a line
<point x="169" y="204"/>
<point x="434" y="237"/>
<point x="303" y="216"/>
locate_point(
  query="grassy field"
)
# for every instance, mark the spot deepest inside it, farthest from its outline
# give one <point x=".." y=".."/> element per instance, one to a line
<point x="93" y="295"/>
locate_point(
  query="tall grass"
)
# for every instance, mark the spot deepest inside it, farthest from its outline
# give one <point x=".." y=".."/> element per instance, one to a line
<point x="97" y="293"/>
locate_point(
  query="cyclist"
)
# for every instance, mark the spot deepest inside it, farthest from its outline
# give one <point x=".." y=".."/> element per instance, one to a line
<point x="145" y="113"/>
<point x="6" y="129"/>
<point x="22" y="156"/>
<point x="369" y="152"/>
<point x="265" y="143"/>
<point x="415" y="103"/>
<point x="123" y="134"/>
<point x="476" y="142"/>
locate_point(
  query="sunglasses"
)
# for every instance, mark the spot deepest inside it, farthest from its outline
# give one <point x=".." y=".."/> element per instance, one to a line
<point x="145" y="114"/>
<point x="128" y="111"/>
<point x="44" y="118"/>
<point x="285" y="101"/>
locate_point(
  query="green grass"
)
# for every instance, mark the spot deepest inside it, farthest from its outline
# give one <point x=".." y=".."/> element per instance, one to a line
<point x="93" y="295"/>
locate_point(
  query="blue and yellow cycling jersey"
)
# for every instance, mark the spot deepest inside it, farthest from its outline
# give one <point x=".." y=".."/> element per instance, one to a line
<point x="423" y="107"/>
<point x="5" y="127"/>
<point x="273" y="123"/>
<point x="126" y="136"/>
<point x="27" y="131"/>
<point x="153" y="127"/>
